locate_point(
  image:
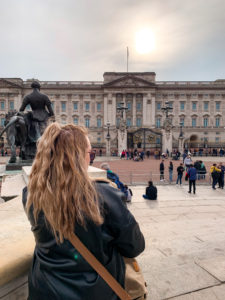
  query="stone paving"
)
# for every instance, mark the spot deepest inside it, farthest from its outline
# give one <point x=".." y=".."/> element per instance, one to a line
<point x="185" y="245"/>
<point x="132" y="172"/>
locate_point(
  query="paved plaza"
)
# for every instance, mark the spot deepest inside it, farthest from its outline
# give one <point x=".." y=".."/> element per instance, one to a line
<point x="185" y="245"/>
<point x="141" y="172"/>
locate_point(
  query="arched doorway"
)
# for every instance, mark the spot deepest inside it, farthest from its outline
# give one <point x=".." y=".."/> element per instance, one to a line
<point x="193" y="141"/>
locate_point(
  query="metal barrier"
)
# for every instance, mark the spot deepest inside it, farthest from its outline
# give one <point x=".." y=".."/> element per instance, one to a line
<point x="139" y="177"/>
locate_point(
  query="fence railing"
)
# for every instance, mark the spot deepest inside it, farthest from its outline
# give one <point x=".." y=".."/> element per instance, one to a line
<point x="140" y="177"/>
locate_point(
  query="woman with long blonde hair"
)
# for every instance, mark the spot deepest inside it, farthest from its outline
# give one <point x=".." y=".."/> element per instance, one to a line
<point x="61" y="200"/>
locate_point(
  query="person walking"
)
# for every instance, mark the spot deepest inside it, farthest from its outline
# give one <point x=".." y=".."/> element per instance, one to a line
<point x="221" y="176"/>
<point x="215" y="173"/>
<point x="192" y="174"/>
<point x="62" y="200"/>
<point x="171" y="171"/>
<point x="150" y="192"/>
<point x="187" y="162"/>
<point x="180" y="171"/>
<point x="161" y="169"/>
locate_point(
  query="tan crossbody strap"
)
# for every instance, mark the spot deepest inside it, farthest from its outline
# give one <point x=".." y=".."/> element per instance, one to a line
<point x="99" y="268"/>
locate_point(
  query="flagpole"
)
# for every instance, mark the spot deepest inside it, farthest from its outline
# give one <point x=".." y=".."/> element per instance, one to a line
<point x="127" y="58"/>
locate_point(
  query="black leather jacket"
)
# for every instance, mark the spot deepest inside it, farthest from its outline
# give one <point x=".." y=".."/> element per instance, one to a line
<point x="59" y="271"/>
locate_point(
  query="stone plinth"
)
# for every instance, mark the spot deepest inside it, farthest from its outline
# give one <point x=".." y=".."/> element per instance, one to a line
<point x="122" y="140"/>
<point x="167" y="140"/>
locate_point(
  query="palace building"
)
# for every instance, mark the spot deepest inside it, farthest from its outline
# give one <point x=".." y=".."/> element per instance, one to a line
<point x="198" y="105"/>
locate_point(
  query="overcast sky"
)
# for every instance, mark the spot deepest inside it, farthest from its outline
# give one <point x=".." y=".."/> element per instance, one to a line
<point x="82" y="39"/>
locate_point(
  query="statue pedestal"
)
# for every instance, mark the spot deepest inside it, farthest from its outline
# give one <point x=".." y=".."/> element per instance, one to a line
<point x="167" y="140"/>
<point x="108" y="150"/>
<point x="181" y="144"/>
<point x="122" y="140"/>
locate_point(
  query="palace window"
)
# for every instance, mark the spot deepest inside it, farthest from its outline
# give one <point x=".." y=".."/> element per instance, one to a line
<point x="217" y="106"/>
<point x="128" y="122"/>
<point x="11" y="105"/>
<point x="75" y="121"/>
<point x="171" y="104"/>
<point x="63" y="106"/>
<point x="194" y="105"/>
<point x="217" y="139"/>
<point x="218" y="122"/>
<point x="182" y="121"/>
<point x="99" y="106"/>
<point x="205" y="122"/>
<point x="138" y="106"/>
<point x="182" y="104"/>
<point x="129" y="106"/>
<point x="206" y="106"/>
<point x="99" y="122"/>
<point x="28" y="107"/>
<point x="75" y="106"/>
<point x="99" y="140"/>
<point x="117" y="122"/>
<point x="63" y="120"/>
<point x="138" y="122"/>
<point x="193" y="122"/>
<point x="2" y="105"/>
<point x="53" y="105"/>
<point x="87" y="106"/>
<point x="158" y="140"/>
<point x="158" y="105"/>
<point x="158" y="122"/>
<point x="2" y="122"/>
<point x="87" y="122"/>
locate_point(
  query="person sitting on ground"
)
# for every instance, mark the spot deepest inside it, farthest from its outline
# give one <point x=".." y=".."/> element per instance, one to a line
<point x="151" y="192"/>
<point x="61" y="199"/>
<point x="128" y="193"/>
<point x="113" y="176"/>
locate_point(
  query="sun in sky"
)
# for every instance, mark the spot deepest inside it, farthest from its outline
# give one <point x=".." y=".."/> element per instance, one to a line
<point x="145" y="41"/>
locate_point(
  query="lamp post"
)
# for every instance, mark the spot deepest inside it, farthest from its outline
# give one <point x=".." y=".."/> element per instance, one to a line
<point x="108" y="140"/>
<point x="167" y="108"/>
<point x="181" y="139"/>
<point x="181" y="132"/>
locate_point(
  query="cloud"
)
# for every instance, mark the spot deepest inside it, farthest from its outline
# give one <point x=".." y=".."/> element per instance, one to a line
<point x="79" y="40"/>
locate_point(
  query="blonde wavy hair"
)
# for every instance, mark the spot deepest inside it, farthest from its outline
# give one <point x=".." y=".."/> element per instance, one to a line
<point x="59" y="184"/>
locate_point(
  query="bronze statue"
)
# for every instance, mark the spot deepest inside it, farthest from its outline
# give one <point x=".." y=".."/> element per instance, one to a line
<point x="40" y="115"/>
<point x="24" y="129"/>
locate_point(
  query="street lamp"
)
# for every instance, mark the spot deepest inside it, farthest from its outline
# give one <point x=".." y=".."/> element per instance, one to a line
<point x="108" y="140"/>
<point x="108" y="134"/>
<point x="167" y="108"/>
<point x="181" y="132"/>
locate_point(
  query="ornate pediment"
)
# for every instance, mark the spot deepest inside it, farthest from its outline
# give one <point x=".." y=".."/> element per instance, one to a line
<point x="4" y="83"/>
<point x="129" y="81"/>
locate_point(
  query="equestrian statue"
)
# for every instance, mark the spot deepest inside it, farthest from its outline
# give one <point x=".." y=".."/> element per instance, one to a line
<point x="24" y="129"/>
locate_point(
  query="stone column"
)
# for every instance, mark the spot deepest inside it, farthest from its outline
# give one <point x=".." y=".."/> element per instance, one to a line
<point x="153" y="110"/>
<point x="134" y="110"/>
<point x="144" y="110"/>
<point x="113" y="110"/>
<point x="105" y="109"/>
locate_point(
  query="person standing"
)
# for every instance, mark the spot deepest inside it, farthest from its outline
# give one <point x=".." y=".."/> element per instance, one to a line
<point x="192" y="173"/>
<point x="161" y="169"/>
<point x="180" y="171"/>
<point x="215" y="175"/>
<point x="171" y="171"/>
<point x="150" y="192"/>
<point x="221" y="176"/>
<point x="187" y="161"/>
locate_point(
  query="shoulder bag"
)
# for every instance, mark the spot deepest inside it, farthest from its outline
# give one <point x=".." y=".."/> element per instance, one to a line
<point x="135" y="285"/>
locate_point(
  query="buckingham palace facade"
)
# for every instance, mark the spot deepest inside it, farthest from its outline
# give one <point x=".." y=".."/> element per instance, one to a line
<point x="198" y="105"/>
